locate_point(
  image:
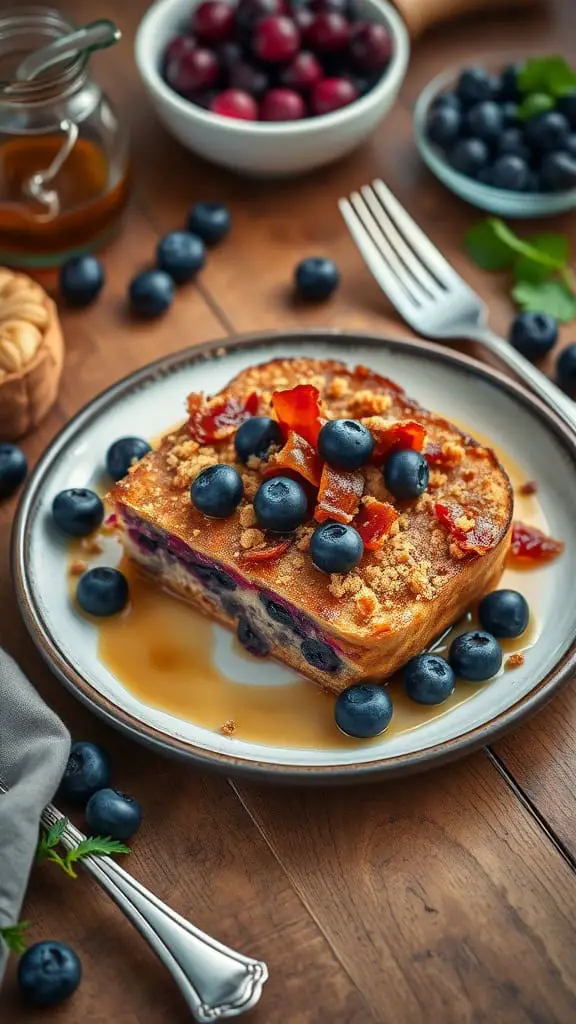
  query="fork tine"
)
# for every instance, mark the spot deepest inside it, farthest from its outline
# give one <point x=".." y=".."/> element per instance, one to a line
<point x="420" y="243"/>
<point x="418" y="270"/>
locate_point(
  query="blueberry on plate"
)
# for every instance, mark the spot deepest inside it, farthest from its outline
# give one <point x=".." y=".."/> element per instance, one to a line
<point x="566" y="369"/>
<point x="428" y="679"/>
<point x="504" y="613"/>
<point x="510" y="172"/>
<point x="476" y="85"/>
<point x="533" y="334"/>
<point x="251" y="639"/>
<point x="345" y="444"/>
<point x="48" y="972"/>
<point x="88" y="768"/>
<point x="547" y="132"/>
<point x="558" y="172"/>
<point x="363" y="710"/>
<point x="511" y="142"/>
<point x="102" y="591"/>
<point x="280" y="504"/>
<point x="77" y="512"/>
<point x="151" y="293"/>
<point x="123" y="453"/>
<point x="469" y="156"/>
<point x="566" y="105"/>
<point x="406" y="474"/>
<point x="13" y="468"/>
<point x="217" y="491"/>
<point x="320" y="655"/>
<point x="316" y="278"/>
<point x="335" y="547"/>
<point x="483" y="121"/>
<point x="255" y="437"/>
<point x="475" y="656"/>
<point x="81" y="280"/>
<point x="114" y="814"/>
<point x="181" y="254"/>
<point x="210" y="221"/>
<point x="443" y="125"/>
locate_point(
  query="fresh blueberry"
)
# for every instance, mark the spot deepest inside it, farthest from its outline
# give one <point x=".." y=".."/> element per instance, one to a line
<point x="123" y="453"/>
<point x="345" y="444"/>
<point x="88" y="769"/>
<point x="406" y="474"/>
<point x="428" y="679"/>
<point x="251" y="639"/>
<point x="447" y="99"/>
<point x="48" y="972"/>
<point x="102" y="591"/>
<point x="508" y="83"/>
<point x="566" y="369"/>
<point x="363" y="710"/>
<point x="151" y="293"/>
<point x="504" y="613"/>
<point x="475" y="656"/>
<point x="509" y="115"/>
<point x="335" y="547"/>
<point x="511" y="143"/>
<point x="510" y="172"/>
<point x="210" y="221"/>
<point x="476" y="85"/>
<point x="567" y="106"/>
<point x="547" y="132"/>
<point x="255" y="436"/>
<point x="217" y="491"/>
<point x="483" y="121"/>
<point x="316" y="278"/>
<point x="13" y="468"/>
<point x="114" y="814"/>
<point x="558" y="172"/>
<point x="81" y="280"/>
<point x="181" y="255"/>
<point x="469" y="156"/>
<point x="443" y="125"/>
<point x="533" y="334"/>
<point x="280" y="504"/>
<point x="77" y="512"/>
<point x="320" y="655"/>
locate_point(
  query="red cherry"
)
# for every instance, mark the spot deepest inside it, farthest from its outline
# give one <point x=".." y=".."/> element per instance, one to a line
<point x="193" y="70"/>
<point x="328" y="33"/>
<point x="276" y="39"/>
<point x="176" y="47"/>
<point x="247" y="78"/>
<point x="302" y="72"/>
<point x="282" y="105"/>
<point x="332" y="94"/>
<point x="213" y="21"/>
<point x="303" y="18"/>
<point x="249" y="12"/>
<point x="370" y="46"/>
<point x="235" y="103"/>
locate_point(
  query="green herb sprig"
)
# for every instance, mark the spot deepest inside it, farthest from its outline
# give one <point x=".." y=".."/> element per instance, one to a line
<point x="12" y="935"/>
<point x="92" y="846"/>
<point x="542" y="81"/>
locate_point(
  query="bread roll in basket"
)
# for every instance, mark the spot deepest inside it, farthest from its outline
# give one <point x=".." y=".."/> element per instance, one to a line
<point x="31" y="354"/>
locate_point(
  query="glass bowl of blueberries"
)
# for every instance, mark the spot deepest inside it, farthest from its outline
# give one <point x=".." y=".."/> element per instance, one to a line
<point x="502" y="136"/>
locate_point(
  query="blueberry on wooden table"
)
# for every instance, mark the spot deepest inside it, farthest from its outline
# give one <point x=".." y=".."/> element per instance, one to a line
<point x="48" y="973"/>
<point x="77" y="511"/>
<point x="345" y="444"/>
<point x="210" y="221"/>
<point x="217" y="491"/>
<point x="123" y="453"/>
<point x="280" y="504"/>
<point x="475" y="656"/>
<point x="151" y="293"/>
<point x="504" y="613"/>
<point x="363" y="710"/>
<point x="81" y="280"/>
<point x="428" y="679"/>
<point x="88" y="769"/>
<point x="335" y="547"/>
<point x="13" y="468"/>
<point x="102" y="591"/>
<point x="255" y="437"/>
<point x="533" y="334"/>
<point x="114" y="814"/>
<point x="566" y="369"/>
<point x="406" y="474"/>
<point x="181" y="254"/>
<point x="316" y="278"/>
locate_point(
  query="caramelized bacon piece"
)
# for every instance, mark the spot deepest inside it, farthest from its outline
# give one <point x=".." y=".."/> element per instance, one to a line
<point x="339" y="494"/>
<point x="479" y="539"/>
<point x="298" y="409"/>
<point x="266" y="554"/>
<point x="374" y="522"/>
<point x="395" y="436"/>
<point x="296" y="455"/>
<point x="531" y="545"/>
<point x="218" y="418"/>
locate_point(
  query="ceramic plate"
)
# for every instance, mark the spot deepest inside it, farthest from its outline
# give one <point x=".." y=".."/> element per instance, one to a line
<point x="150" y="401"/>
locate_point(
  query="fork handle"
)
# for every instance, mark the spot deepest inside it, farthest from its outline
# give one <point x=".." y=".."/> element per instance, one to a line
<point x="550" y="394"/>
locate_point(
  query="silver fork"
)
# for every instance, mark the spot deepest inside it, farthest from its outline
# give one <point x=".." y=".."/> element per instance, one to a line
<point x="425" y="288"/>
<point x="216" y="982"/>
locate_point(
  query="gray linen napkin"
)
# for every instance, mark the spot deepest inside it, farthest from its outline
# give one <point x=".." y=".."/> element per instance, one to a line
<point x="34" y="747"/>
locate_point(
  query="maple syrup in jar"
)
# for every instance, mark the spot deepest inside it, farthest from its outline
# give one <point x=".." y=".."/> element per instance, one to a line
<point x="63" y="152"/>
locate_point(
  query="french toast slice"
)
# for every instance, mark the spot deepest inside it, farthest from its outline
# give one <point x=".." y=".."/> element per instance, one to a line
<point x="427" y="562"/>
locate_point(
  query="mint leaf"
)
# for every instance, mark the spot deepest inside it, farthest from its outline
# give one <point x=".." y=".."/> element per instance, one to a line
<point x="96" y="845"/>
<point x="553" y="297"/>
<point x="527" y="270"/>
<point x="547" y="75"/>
<point x="533" y="104"/>
<point x="486" y="249"/>
<point x="12" y="935"/>
<point x="533" y="252"/>
<point x="553" y="245"/>
<point x="49" y="839"/>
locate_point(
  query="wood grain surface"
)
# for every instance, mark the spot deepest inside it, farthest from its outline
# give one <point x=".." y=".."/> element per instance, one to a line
<point x="441" y="899"/>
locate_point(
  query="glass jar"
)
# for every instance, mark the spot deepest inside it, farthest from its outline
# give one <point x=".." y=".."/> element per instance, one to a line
<point x="63" y="152"/>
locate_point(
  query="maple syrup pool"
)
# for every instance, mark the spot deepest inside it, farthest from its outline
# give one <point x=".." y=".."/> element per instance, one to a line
<point x="167" y="655"/>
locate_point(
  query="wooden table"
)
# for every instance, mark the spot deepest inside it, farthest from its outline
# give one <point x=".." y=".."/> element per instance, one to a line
<point x="447" y="897"/>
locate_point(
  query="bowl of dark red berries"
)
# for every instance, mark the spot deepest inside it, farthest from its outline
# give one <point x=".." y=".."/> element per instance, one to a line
<point x="272" y="88"/>
<point x="503" y="136"/>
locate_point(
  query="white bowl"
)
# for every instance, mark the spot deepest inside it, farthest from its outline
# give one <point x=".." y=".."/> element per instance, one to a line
<point x="257" y="148"/>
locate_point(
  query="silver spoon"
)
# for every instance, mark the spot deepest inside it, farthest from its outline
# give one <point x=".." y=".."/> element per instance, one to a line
<point x="96" y="36"/>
